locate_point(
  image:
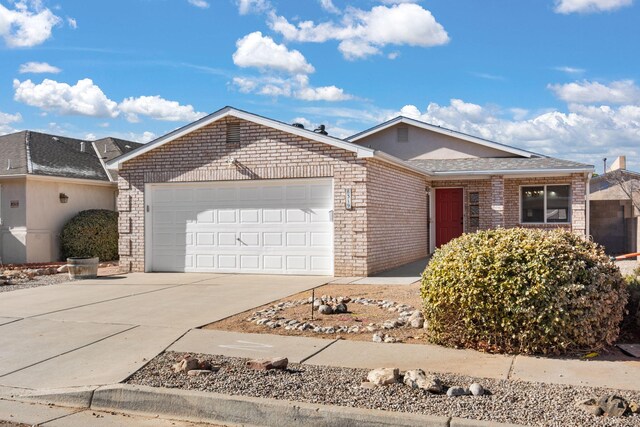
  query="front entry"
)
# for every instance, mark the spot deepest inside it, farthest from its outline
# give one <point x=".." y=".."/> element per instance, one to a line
<point x="449" y="215"/>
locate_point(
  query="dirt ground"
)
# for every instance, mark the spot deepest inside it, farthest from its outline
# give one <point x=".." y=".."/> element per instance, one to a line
<point x="357" y="315"/>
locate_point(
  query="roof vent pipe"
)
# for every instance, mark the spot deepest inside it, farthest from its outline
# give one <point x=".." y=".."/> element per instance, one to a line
<point x="82" y="146"/>
<point x="8" y="164"/>
<point x="298" y="125"/>
<point x="321" y="130"/>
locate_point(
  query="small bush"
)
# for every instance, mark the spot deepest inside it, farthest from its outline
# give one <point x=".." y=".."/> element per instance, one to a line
<point x="631" y="322"/>
<point x="91" y="233"/>
<point x="523" y="291"/>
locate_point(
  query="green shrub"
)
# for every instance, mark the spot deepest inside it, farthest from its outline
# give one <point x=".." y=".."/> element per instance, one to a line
<point x="631" y="322"/>
<point x="91" y="233"/>
<point x="523" y="291"/>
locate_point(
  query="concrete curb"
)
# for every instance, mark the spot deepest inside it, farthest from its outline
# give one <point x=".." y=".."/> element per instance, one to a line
<point x="77" y="397"/>
<point x="201" y="406"/>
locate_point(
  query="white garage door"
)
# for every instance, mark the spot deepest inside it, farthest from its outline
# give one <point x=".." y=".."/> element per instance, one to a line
<point x="272" y="227"/>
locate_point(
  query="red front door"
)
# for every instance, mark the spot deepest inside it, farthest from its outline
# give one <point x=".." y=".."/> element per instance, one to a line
<point x="449" y="214"/>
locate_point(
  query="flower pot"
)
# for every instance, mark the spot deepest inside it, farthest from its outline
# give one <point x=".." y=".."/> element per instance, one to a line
<point x="82" y="268"/>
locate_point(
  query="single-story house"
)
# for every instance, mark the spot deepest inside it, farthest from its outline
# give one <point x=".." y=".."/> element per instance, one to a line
<point x="44" y="181"/>
<point x="238" y="192"/>
<point x="613" y="214"/>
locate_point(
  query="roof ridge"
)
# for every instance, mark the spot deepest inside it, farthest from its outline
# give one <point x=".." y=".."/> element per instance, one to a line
<point x="27" y="141"/>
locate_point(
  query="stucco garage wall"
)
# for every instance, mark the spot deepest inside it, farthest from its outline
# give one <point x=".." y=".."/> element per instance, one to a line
<point x="45" y="215"/>
<point x="13" y="230"/>
<point x="263" y="153"/>
<point x="397" y="216"/>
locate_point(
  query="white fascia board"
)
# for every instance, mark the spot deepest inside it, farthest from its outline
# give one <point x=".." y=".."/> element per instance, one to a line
<point x="79" y="181"/>
<point x="443" y="131"/>
<point x="521" y="173"/>
<point x="360" y="151"/>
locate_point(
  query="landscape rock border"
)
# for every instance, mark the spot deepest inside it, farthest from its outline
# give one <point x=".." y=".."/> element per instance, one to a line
<point x="408" y="316"/>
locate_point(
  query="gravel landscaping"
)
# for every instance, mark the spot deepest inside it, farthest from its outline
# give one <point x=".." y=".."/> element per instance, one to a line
<point x="16" y="284"/>
<point x="525" y="403"/>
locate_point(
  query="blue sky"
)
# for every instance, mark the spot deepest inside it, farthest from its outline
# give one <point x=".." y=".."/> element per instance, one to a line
<point x="553" y="76"/>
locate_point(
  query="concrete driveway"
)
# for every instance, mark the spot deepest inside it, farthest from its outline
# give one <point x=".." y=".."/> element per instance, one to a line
<point x="98" y="332"/>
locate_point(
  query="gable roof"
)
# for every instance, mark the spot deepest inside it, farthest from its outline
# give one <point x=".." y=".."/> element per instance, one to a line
<point x="34" y="153"/>
<point x="444" y="131"/>
<point x="499" y="165"/>
<point x="109" y="148"/>
<point x="243" y="115"/>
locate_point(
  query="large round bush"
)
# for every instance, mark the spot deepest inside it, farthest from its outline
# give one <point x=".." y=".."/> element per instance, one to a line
<point x="91" y="233"/>
<point x="523" y="291"/>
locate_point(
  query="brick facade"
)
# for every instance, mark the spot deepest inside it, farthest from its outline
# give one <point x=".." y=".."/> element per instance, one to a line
<point x="397" y="216"/>
<point x="266" y="153"/>
<point x="500" y="201"/>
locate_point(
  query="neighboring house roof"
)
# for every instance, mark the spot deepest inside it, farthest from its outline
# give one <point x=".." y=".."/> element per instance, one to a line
<point x="109" y="148"/>
<point x="501" y="165"/>
<point x="607" y="185"/>
<point x="34" y="153"/>
<point x="443" y="131"/>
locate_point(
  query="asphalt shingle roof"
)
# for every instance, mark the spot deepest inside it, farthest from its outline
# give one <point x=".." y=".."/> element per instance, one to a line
<point x="42" y="154"/>
<point x="496" y="164"/>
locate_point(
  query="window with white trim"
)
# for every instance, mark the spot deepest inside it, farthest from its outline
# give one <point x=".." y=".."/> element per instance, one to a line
<point x="545" y="204"/>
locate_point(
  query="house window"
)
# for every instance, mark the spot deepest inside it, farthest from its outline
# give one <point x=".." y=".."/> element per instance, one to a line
<point x="474" y="209"/>
<point x="233" y="133"/>
<point x="544" y="204"/>
<point x="403" y="134"/>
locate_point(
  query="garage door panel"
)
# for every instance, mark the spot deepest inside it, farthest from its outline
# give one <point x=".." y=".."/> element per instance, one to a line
<point x="272" y="216"/>
<point x="249" y="216"/>
<point x="296" y="216"/>
<point x="278" y="227"/>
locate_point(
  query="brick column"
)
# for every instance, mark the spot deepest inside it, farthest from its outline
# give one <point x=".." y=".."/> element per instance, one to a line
<point x="497" y="201"/>
<point x="578" y="204"/>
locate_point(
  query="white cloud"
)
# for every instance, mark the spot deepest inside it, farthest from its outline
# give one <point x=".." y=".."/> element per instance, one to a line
<point x="589" y="6"/>
<point x="256" y="50"/>
<point x="329" y="6"/>
<point x="84" y="98"/>
<point x="586" y="92"/>
<point x="570" y="70"/>
<point x="38" y="67"/>
<point x="72" y="23"/>
<point x="158" y="109"/>
<point x="363" y="33"/>
<point x="297" y="87"/>
<point x="90" y="136"/>
<point x="87" y="99"/>
<point x="6" y="120"/>
<point x="27" y="25"/>
<point x="202" y="4"/>
<point x="253" y="6"/>
<point x="584" y="133"/>
<point x="393" y="55"/>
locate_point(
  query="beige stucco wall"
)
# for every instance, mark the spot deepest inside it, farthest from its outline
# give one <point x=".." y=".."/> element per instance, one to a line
<point x="424" y="144"/>
<point x="13" y="229"/>
<point x="45" y="215"/>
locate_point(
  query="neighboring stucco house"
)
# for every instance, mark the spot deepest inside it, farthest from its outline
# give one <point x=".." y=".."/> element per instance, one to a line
<point x="44" y="181"/>
<point x="237" y="192"/>
<point x="614" y="216"/>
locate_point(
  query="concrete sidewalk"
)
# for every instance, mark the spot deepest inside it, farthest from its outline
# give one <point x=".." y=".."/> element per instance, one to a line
<point x="432" y="358"/>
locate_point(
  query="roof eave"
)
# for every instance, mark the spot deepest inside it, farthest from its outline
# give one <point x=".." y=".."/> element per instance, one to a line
<point x="541" y="171"/>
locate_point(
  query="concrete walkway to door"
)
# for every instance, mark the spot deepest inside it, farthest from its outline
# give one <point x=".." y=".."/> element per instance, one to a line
<point x="97" y="332"/>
